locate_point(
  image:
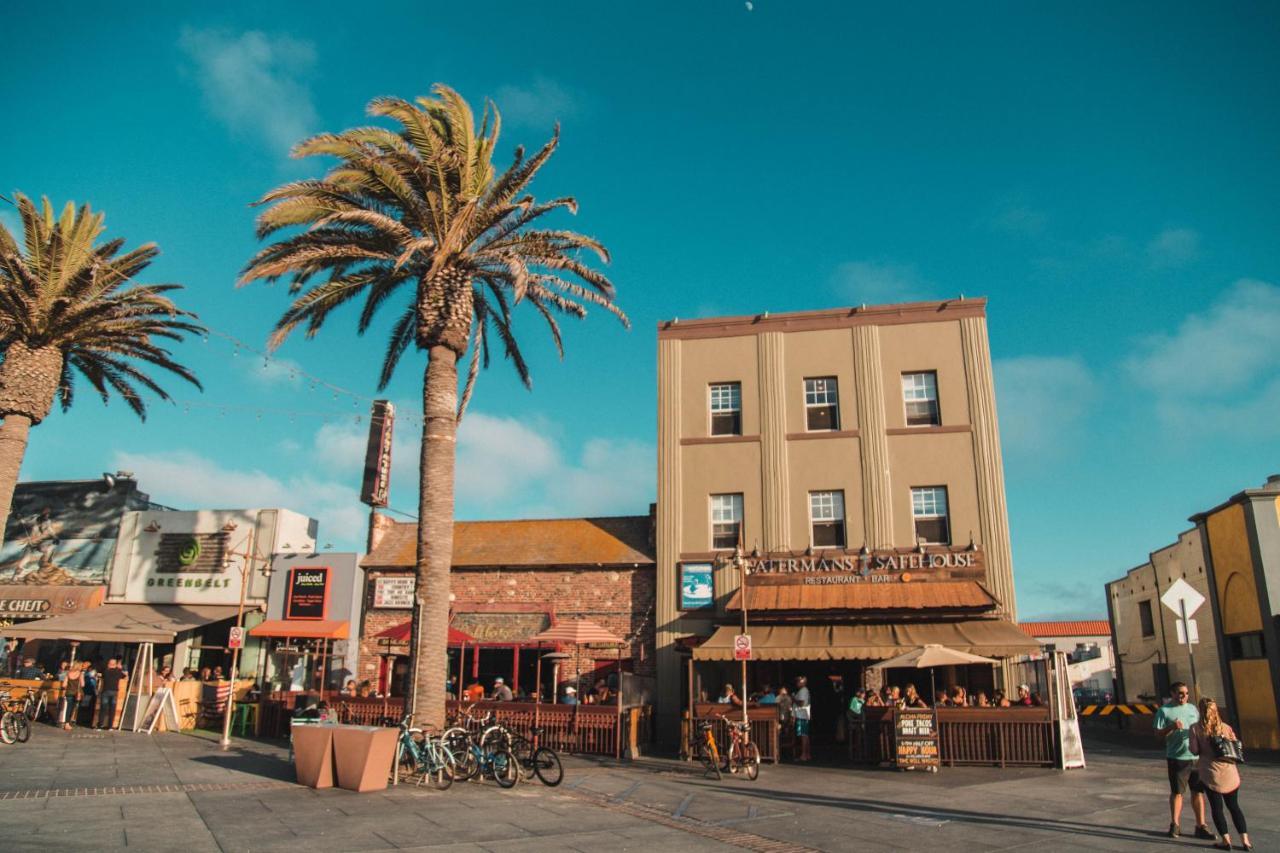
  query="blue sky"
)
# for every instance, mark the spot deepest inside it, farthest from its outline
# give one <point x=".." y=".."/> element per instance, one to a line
<point x="1107" y="177"/>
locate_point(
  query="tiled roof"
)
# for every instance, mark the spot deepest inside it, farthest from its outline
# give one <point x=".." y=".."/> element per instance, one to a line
<point x="865" y="596"/>
<point x="1083" y="628"/>
<point x="614" y="541"/>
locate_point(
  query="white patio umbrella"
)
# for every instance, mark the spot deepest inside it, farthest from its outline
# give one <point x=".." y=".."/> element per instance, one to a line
<point x="930" y="656"/>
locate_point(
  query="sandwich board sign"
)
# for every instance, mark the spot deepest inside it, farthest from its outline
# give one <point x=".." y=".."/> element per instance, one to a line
<point x="161" y="704"/>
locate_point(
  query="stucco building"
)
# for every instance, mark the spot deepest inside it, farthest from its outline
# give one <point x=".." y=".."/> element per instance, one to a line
<point x="1091" y="662"/>
<point x="1148" y="655"/>
<point x="854" y="454"/>
<point x="1241" y="548"/>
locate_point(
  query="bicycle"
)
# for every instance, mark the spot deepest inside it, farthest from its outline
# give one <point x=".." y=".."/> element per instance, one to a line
<point x="743" y="754"/>
<point x="704" y="749"/>
<point x="420" y="754"/>
<point x="537" y="760"/>
<point x="486" y="754"/>
<point x="14" y="725"/>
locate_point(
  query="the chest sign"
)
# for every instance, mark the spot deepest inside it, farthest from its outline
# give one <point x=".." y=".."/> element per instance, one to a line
<point x="308" y="593"/>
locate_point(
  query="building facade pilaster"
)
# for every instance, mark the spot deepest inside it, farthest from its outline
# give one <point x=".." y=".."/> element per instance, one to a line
<point x="775" y="479"/>
<point x="668" y="530"/>
<point x="993" y="515"/>
<point x="877" y="494"/>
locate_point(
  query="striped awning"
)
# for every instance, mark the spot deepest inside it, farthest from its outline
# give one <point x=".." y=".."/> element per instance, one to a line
<point x="959" y="595"/>
<point x="988" y="637"/>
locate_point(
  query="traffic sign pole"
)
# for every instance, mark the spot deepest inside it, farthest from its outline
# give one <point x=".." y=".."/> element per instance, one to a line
<point x="1191" y="654"/>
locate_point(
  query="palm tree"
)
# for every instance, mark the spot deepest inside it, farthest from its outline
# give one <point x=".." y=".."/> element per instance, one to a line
<point x="419" y="211"/>
<point x="64" y="304"/>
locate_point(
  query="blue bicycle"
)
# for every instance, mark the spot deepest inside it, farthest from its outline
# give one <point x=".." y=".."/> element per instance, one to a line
<point x="419" y="754"/>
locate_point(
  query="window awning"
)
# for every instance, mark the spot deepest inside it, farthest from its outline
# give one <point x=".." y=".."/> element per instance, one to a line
<point x="400" y="634"/>
<point x="959" y="595"/>
<point x="326" y="629"/>
<point x="127" y="623"/>
<point x="988" y="637"/>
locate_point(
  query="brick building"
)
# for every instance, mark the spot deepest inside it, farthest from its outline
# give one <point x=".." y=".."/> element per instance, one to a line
<point x="511" y="580"/>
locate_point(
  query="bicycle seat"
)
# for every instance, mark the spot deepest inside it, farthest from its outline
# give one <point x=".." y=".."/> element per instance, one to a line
<point x="702" y="727"/>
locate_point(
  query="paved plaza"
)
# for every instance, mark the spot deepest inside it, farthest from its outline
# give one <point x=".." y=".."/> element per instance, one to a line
<point x="93" y="791"/>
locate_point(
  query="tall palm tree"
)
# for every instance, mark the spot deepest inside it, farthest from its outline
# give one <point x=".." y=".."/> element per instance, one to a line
<point x="420" y="212"/>
<point x="64" y="309"/>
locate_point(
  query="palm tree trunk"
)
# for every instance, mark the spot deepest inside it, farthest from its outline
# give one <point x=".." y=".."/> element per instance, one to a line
<point x="429" y="666"/>
<point x="13" y="446"/>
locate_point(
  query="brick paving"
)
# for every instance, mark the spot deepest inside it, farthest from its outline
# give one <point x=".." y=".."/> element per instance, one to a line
<point x="181" y="793"/>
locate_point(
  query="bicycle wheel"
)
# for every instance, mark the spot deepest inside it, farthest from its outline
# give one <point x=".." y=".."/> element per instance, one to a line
<point x="29" y="710"/>
<point x="505" y="768"/>
<point x="546" y="763"/>
<point x="23" y="730"/>
<point x="466" y="764"/>
<point x="438" y="771"/>
<point x="8" y="728"/>
<point x="709" y="757"/>
<point x="749" y="755"/>
<point x="523" y="751"/>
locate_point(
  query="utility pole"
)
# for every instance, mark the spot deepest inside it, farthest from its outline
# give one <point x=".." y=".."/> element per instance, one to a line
<point x="249" y="555"/>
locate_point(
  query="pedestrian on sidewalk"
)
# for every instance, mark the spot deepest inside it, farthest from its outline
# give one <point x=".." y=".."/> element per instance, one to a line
<point x="1173" y="722"/>
<point x="111" y="678"/>
<point x="1218" y="773"/>
<point x="802" y="709"/>
<point x="71" y="691"/>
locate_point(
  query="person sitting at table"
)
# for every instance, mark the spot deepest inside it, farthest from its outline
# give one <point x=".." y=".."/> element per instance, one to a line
<point x="206" y="674"/>
<point x="474" y="691"/>
<point x="981" y="700"/>
<point x="349" y="689"/>
<point x="501" y="692"/>
<point x="29" y="670"/>
<point x="217" y="674"/>
<point x="999" y="700"/>
<point x="957" y="698"/>
<point x="729" y="697"/>
<point x="912" y="699"/>
<point x="1024" y="695"/>
<point x="767" y="696"/>
<point x="570" y="696"/>
<point x="602" y="691"/>
<point x="364" y="690"/>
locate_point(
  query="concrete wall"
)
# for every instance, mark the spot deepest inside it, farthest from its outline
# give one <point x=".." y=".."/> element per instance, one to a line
<point x="1136" y="654"/>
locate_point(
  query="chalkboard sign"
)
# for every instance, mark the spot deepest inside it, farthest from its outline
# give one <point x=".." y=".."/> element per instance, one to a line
<point x="308" y="593"/>
<point x="915" y="738"/>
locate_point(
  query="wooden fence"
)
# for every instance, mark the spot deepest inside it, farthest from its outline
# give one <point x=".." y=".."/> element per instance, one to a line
<point x="584" y="729"/>
<point x="765" y="727"/>
<point x="1002" y="737"/>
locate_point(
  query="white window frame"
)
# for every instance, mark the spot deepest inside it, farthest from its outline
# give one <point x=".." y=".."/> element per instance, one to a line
<point x="836" y="509"/>
<point x="925" y="505"/>
<point x="918" y="392"/>
<point x="716" y="513"/>
<point x="715" y="400"/>
<point x="821" y="399"/>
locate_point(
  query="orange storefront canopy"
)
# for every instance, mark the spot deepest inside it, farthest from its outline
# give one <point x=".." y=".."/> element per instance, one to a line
<point x="987" y="637"/>
<point x="322" y="629"/>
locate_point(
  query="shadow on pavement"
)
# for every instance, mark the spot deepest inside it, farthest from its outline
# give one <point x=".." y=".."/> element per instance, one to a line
<point x="250" y="763"/>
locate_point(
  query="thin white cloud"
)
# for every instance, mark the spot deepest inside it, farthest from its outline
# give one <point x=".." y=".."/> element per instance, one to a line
<point x="1014" y="217"/>
<point x="537" y="105"/>
<point x="255" y="83"/>
<point x="1042" y="402"/>
<point x="1220" y="371"/>
<point x="1173" y="247"/>
<point x="878" y="283"/>
<point x="1223" y="350"/>
<point x="186" y="479"/>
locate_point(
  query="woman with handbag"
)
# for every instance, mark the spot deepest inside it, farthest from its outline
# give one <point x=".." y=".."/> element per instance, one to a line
<point x="1219" y="751"/>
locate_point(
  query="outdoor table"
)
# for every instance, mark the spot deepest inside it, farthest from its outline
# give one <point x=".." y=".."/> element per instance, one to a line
<point x="313" y="754"/>
<point x="363" y="755"/>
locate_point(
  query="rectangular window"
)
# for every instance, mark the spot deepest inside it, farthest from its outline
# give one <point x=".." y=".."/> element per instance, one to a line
<point x="697" y="586"/>
<point x="920" y="395"/>
<point x="1147" y="619"/>
<point x="726" y="520"/>
<point x="929" y="509"/>
<point x="826" y="519"/>
<point x="726" y="408"/>
<point x="821" y="404"/>
<point x="1246" y="646"/>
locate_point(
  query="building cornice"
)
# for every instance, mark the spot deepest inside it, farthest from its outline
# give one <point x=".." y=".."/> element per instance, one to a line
<point x="836" y="318"/>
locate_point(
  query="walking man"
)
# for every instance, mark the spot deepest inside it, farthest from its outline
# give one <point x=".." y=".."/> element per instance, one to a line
<point x="1173" y="722"/>
<point x="802" y="708"/>
<point x="109" y="691"/>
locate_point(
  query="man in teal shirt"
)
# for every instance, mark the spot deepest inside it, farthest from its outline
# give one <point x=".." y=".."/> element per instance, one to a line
<point x="1173" y="722"/>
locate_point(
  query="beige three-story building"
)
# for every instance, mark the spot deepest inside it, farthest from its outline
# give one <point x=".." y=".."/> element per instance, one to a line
<point x="854" y="454"/>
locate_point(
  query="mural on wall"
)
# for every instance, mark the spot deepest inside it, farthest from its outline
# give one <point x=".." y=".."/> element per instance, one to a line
<point x="64" y="532"/>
